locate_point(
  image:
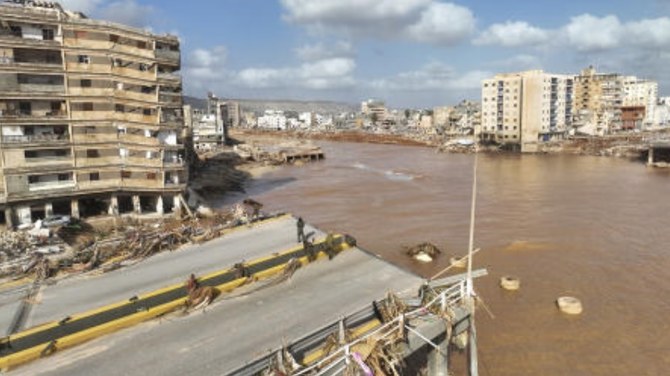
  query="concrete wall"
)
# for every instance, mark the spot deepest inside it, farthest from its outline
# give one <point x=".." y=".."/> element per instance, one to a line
<point x="531" y="113"/>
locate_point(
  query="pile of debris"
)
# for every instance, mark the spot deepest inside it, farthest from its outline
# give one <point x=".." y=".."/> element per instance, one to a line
<point x="23" y="254"/>
<point x="463" y="145"/>
<point x="424" y="252"/>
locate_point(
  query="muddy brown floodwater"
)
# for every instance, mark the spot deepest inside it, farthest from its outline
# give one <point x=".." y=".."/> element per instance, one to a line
<point x="594" y="228"/>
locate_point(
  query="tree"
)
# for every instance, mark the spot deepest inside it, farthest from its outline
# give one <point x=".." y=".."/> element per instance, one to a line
<point x="407" y="113"/>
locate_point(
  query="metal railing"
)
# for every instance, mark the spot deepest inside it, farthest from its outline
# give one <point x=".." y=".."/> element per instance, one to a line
<point x="449" y="297"/>
<point x="35" y="138"/>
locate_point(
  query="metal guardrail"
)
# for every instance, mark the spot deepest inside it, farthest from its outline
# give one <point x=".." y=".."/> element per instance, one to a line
<point x="449" y="297"/>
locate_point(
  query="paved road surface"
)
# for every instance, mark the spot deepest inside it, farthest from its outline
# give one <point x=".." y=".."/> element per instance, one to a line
<point x="235" y="330"/>
<point x="76" y="295"/>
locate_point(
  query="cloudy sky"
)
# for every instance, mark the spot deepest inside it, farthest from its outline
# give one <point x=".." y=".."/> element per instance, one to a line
<point x="412" y="53"/>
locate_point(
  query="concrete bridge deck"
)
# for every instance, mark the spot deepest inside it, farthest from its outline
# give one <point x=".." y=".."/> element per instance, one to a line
<point x="233" y="330"/>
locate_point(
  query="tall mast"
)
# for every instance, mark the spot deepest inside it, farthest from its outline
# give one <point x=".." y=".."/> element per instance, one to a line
<point x="470" y="289"/>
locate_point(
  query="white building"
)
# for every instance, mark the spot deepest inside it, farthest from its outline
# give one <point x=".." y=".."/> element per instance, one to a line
<point x="306" y="119"/>
<point x="640" y="92"/>
<point x="272" y="120"/>
<point x="525" y="108"/>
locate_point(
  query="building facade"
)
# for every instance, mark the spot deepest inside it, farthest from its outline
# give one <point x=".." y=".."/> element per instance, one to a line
<point x="641" y="93"/>
<point x="598" y="101"/>
<point x="526" y="108"/>
<point x="91" y="118"/>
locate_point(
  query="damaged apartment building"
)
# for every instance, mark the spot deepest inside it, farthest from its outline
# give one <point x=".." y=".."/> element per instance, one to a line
<point x="91" y="118"/>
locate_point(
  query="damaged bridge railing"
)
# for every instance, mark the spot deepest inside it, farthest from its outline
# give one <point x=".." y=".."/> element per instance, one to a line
<point x="376" y="338"/>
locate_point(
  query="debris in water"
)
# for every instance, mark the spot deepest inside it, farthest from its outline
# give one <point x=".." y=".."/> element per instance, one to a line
<point x="424" y="252"/>
<point x="510" y="283"/>
<point x="569" y="305"/>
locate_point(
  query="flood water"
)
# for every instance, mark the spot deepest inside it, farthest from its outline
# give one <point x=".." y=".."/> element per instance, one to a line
<point x="594" y="228"/>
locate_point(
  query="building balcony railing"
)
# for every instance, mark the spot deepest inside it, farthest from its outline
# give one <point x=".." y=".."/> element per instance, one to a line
<point x="51" y="185"/>
<point x="37" y="138"/>
<point x="55" y="114"/>
<point x="174" y="56"/>
<point x="134" y="73"/>
<point x="174" y="77"/>
<point x="125" y="94"/>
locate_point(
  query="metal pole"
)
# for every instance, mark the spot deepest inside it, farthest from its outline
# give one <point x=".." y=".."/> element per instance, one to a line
<point x="470" y="290"/>
<point x="474" y="364"/>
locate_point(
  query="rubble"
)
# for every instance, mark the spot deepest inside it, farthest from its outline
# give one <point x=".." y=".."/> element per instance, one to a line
<point x="424" y="252"/>
<point x="23" y="253"/>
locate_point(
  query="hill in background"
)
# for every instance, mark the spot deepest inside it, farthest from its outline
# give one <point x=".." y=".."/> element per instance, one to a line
<point x="260" y="105"/>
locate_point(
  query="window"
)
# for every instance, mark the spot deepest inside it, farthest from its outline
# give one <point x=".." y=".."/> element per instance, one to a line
<point x="94" y="176"/>
<point x="119" y="108"/>
<point x="141" y="44"/>
<point x="16" y="31"/>
<point x="125" y="174"/>
<point x="88" y="106"/>
<point x="86" y="83"/>
<point x="25" y="108"/>
<point x="92" y="153"/>
<point x="146" y="112"/>
<point x="113" y="38"/>
<point x="144" y="67"/>
<point x="80" y="34"/>
<point x="63" y="177"/>
<point x="48" y="34"/>
<point x="84" y="59"/>
<point x="151" y="176"/>
<point x="147" y="89"/>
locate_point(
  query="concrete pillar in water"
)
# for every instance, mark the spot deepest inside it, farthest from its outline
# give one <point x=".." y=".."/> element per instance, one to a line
<point x="113" y="205"/>
<point x="74" y="208"/>
<point x="438" y="359"/>
<point x="650" y="158"/>
<point x="137" y="206"/>
<point x="48" y="209"/>
<point x="159" y="205"/>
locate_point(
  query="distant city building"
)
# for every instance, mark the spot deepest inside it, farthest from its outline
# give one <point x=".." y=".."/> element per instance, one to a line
<point x="639" y="92"/>
<point x="374" y="109"/>
<point x="272" y="120"/>
<point x="598" y="101"/>
<point x="525" y="108"/>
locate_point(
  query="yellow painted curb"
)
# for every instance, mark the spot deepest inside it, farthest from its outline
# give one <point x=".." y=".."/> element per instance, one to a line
<point x="16" y="283"/>
<point x="361" y="330"/>
<point x="27" y="355"/>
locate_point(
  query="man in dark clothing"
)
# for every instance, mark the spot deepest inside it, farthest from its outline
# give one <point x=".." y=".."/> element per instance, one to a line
<point x="301" y="230"/>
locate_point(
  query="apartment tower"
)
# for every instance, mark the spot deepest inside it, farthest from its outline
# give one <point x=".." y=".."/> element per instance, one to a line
<point x="526" y="108"/>
<point x="91" y="119"/>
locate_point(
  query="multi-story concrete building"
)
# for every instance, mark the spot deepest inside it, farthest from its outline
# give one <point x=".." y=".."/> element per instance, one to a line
<point x="525" y="108"/>
<point x="91" y="116"/>
<point x="641" y="93"/>
<point x="375" y="109"/>
<point x="598" y="101"/>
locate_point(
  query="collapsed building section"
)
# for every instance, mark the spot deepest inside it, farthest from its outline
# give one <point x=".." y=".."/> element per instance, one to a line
<point x="91" y="118"/>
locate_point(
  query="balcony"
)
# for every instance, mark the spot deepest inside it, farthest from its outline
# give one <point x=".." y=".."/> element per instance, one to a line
<point x="51" y="185"/>
<point x="90" y="91"/>
<point x="169" y="55"/>
<point x="170" y="77"/>
<point x="135" y="95"/>
<point x="77" y="67"/>
<point x="134" y="73"/>
<point x="20" y="115"/>
<point x="37" y="138"/>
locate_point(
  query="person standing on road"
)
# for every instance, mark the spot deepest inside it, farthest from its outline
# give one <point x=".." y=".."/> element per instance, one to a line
<point x="301" y="229"/>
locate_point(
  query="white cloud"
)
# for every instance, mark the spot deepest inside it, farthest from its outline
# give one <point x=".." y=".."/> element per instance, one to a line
<point x="202" y="64"/>
<point x="331" y="73"/>
<point x="590" y="33"/>
<point x="653" y="33"/>
<point x="443" y="23"/>
<point x="431" y="77"/>
<point x="127" y="12"/>
<point x="84" y="6"/>
<point x="518" y="62"/>
<point x="426" y="21"/>
<point x="512" y="34"/>
<point x="320" y="51"/>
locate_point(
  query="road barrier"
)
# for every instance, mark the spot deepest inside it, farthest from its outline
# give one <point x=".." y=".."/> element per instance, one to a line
<point x="45" y="339"/>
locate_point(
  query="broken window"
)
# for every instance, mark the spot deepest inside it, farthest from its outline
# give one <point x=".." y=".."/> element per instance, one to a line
<point x="125" y="174"/>
<point x="113" y="38"/>
<point x="92" y="153"/>
<point x="84" y="59"/>
<point x="151" y="176"/>
<point x="86" y="83"/>
<point x="88" y="106"/>
<point x="94" y="176"/>
<point x="144" y="67"/>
